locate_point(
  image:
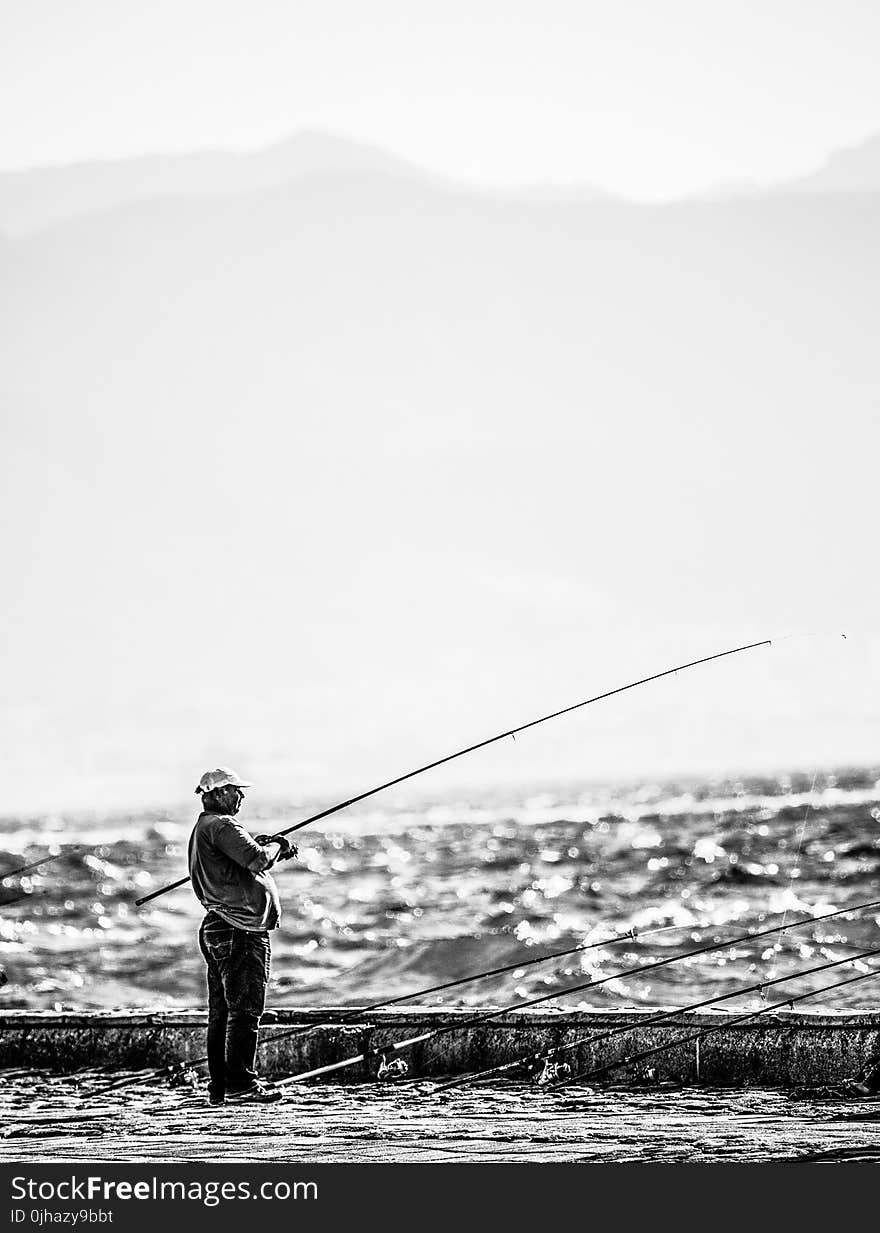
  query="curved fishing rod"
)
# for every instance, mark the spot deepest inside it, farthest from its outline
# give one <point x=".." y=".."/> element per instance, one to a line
<point x="662" y="1016"/>
<point x="754" y="1014"/>
<point x="384" y="1051"/>
<point x="501" y="736"/>
<point x="357" y="1011"/>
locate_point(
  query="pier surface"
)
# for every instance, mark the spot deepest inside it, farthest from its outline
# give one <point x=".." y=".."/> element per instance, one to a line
<point x="715" y="1103"/>
<point x="53" y="1117"/>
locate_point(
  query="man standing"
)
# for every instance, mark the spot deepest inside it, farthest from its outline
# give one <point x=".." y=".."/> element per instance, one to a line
<point x="229" y="871"/>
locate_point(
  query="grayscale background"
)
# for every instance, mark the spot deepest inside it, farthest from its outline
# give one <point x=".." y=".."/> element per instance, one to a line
<point x="376" y="377"/>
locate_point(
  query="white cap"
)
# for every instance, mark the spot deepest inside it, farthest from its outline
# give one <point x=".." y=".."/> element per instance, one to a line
<point x="223" y="777"/>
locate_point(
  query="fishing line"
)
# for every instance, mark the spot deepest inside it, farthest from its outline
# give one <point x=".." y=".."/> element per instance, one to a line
<point x="384" y="1051"/>
<point x="793" y="873"/>
<point x="816" y="633"/>
<point x="501" y="736"/>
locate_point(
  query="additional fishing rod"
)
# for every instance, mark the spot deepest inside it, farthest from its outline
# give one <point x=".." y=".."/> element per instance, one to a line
<point x="14" y="873"/>
<point x="483" y="1017"/>
<point x="754" y="1014"/>
<point x="357" y="1011"/>
<point x="662" y="1016"/>
<point x="630" y="935"/>
<point x="501" y="736"/>
<point x="7" y="903"/>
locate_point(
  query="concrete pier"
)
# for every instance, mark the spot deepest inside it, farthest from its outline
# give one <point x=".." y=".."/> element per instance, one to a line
<point x="783" y="1049"/>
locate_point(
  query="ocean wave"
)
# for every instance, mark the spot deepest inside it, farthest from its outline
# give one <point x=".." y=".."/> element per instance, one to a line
<point x="391" y="901"/>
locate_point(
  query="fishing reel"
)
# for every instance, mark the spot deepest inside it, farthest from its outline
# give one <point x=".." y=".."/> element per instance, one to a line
<point x="553" y="1072"/>
<point x="390" y="1072"/>
<point x="289" y="851"/>
<point x="180" y="1074"/>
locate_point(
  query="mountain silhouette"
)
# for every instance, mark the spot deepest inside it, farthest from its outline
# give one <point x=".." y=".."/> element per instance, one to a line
<point x="42" y="196"/>
<point x="32" y="199"/>
<point x="290" y="455"/>
<point x="854" y="170"/>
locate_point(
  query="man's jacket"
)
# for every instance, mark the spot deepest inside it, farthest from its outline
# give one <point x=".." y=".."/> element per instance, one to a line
<point x="228" y="871"/>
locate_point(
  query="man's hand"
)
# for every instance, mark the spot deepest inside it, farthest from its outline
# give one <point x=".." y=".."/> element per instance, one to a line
<point x="287" y="850"/>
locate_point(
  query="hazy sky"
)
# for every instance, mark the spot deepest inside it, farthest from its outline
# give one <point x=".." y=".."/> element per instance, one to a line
<point x="330" y="479"/>
<point x="640" y="96"/>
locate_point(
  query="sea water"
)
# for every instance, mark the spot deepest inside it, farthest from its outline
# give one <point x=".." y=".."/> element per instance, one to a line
<point x="389" y="899"/>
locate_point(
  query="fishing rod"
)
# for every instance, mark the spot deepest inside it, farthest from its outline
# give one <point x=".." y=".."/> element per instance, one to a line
<point x="357" y="1011"/>
<point x="383" y="1051"/>
<point x="754" y="1014"/>
<point x="663" y="1016"/>
<point x="501" y="736"/>
<point x="633" y="934"/>
<point x="7" y="903"/>
<point x="14" y="873"/>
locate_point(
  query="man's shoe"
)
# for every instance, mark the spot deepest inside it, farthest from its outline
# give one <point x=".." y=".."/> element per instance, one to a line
<point x="868" y="1083"/>
<point x="215" y="1099"/>
<point x="258" y="1093"/>
<point x="860" y="1089"/>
